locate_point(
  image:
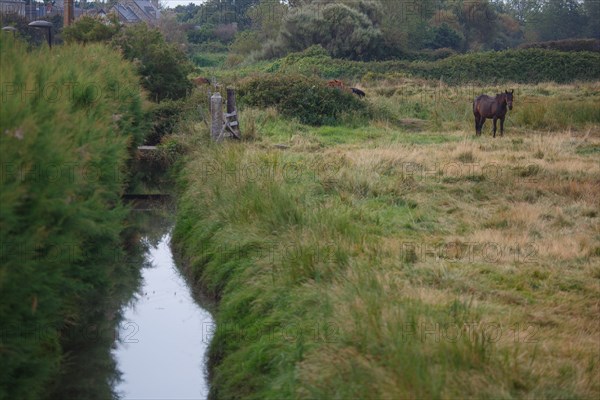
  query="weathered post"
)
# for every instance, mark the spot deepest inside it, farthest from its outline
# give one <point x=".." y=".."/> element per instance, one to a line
<point x="230" y="100"/>
<point x="216" y="113"/>
<point x="232" y="117"/>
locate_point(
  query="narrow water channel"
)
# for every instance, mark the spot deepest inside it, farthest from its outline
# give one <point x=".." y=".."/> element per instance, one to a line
<point x="163" y="336"/>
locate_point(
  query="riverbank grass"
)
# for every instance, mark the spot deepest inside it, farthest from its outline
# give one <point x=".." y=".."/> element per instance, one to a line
<point x="398" y="262"/>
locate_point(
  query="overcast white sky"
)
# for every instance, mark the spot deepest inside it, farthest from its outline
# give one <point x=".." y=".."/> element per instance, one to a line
<point x="175" y="3"/>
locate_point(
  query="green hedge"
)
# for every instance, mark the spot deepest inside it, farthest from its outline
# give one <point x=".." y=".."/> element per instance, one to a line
<point x="296" y="96"/>
<point x="565" y="45"/>
<point x="70" y="119"/>
<point x="521" y="66"/>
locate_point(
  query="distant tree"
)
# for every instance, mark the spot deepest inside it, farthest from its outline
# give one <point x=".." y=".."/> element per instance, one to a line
<point x="559" y="19"/>
<point x="509" y="32"/>
<point x="521" y="10"/>
<point x="479" y="22"/>
<point x="344" y="31"/>
<point x="173" y="31"/>
<point x="405" y="25"/>
<point x="163" y="66"/>
<point x="245" y="43"/>
<point x="186" y="13"/>
<point x="88" y="29"/>
<point x="444" y="36"/>
<point x="201" y="33"/>
<point x="266" y="18"/>
<point x="219" y="12"/>
<point x="592" y="10"/>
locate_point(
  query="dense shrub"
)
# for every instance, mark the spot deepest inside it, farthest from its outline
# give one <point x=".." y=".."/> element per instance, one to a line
<point x="346" y="31"/>
<point x="444" y="36"/>
<point x="209" y="47"/>
<point x="209" y="59"/>
<point x="67" y="129"/>
<point x="295" y="96"/>
<point x="165" y="116"/>
<point x="428" y="55"/>
<point x="91" y="29"/>
<point x="316" y="61"/>
<point x="521" y="66"/>
<point x="565" y="45"/>
<point x="163" y="66"/>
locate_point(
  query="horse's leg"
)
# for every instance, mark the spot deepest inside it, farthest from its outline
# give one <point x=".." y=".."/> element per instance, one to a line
<point x="476" y="124"/>
<point x="502" y="126"/>
<point x="495" y="120"/>
<point x="481" y="122"/>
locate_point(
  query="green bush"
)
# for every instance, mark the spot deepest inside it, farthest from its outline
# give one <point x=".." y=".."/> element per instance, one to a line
<point x="163" y="66"/>
<point x="345" y="30"/>
<point x="70" y="119"/>
<point x="91" y="29"/>
<point x="521" y="66"/>
<point x="165" y="116"/>
<point x="296" y="96"/>
<point x="316" y="61"/>
<point x="209" y="59"/>
<point x="565" y="45"/>
<point x="209" y="47"/>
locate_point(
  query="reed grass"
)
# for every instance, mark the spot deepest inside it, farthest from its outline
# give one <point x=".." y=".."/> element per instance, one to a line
<point x="70" y="119"/>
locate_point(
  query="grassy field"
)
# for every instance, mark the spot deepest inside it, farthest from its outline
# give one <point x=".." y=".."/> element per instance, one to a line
<point x="402" y="257"/>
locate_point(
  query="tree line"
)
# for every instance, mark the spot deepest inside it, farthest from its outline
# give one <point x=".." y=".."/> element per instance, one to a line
<point x="382" y="29"/>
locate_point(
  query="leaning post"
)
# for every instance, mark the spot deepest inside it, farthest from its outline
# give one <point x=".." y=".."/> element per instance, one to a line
<point x="232" y="110"/>
<point x="216" y="111"/>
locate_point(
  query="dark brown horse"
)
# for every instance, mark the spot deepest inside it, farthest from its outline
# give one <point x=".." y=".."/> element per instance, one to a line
<point x="492" y="107"/>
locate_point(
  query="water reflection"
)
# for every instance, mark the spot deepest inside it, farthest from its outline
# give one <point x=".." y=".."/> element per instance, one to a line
<point x="161" y="349"/>
<point x="166" y="323"/>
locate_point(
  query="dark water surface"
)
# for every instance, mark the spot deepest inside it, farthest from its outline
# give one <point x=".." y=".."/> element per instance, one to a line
<point x="163" y="336"/>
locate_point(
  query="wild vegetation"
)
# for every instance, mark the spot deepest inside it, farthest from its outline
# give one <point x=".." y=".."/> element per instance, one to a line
<point x="71" y="117"/>
<point x="394" y="254"/>
<point x="379" y="29"/>
<point x="163" y="66"/>
<point x="523" y="66"/>
<point x="400" y="256"/>
<point x="355" y="247"/>
<point x="308" y="100"/>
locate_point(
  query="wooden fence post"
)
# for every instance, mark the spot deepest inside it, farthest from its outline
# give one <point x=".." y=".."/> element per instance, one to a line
<point x="231" y="117"/>
<point x="216" y="111"/>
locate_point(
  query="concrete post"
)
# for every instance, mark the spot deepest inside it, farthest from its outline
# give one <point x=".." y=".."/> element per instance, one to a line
<point x="216" y="112"/>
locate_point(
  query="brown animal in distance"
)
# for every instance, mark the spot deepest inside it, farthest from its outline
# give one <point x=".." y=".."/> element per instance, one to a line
<point x="201" y="81"/>
<point x="495" y="108"/>
<point x="335" y="83"/>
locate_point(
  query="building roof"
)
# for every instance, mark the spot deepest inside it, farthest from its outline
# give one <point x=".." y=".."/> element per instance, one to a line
<point x="148" y="8"/>
<point x="126" y="13"/>
<point x="132" y="11"/>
